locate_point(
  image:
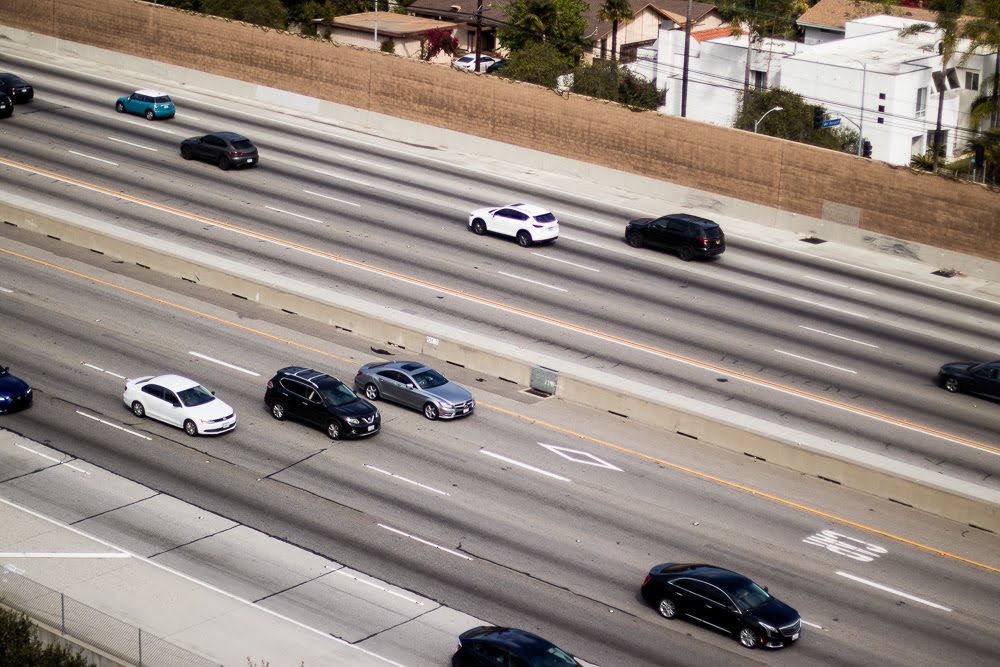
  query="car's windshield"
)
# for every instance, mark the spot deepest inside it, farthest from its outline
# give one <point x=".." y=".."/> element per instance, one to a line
<point x="16" y="81"/>
<point x="196" y="395"/>
<point x="339" y="394"/>
<point x="429" y="379"/>
<point x="750" y="596"/>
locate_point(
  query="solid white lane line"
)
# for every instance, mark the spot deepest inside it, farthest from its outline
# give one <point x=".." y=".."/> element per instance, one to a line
<point x="377" y="587"/>
<point x="827" y="333"/>
<point x="91" y="157"/>
<point x="342" y="201"/>
<point x="422" y="541"/>
<point x="880" y="587"/>
<point x="101" y="370"/>
<point x="368" y="162"/>
<point x="344" y="178"/>
<point x="223" y="363"/>
<point x="8" y="291"/>
<point x="53" y="459"/>
<point x="573" y="238"/>
<point x="847" y="287"/>
<point x="823" y="305"/>
<point x="145" y="148"/>
<point x="811" y="625"/>
<point x="120" y="428"/>
<point x="529" y="280"/>
<point x="563" y="261"/>
<point x="56" y="554"/>
<point x="203" y="584"/>
<point x="526" y="466"/>
<point x="821" y="363"/>
<point x="294" y="215"/>
<point x="147" y="125"/>
<point x="404" y="479"/>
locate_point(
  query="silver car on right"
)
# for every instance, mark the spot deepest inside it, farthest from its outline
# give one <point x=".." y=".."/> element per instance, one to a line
<point x="414" y="385"/>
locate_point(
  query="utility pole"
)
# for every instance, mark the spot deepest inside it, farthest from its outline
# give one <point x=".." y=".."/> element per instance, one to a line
<point x="479" y="33"/>
<point x="687" y="51"/>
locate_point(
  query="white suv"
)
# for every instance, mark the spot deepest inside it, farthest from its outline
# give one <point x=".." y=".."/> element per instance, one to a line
<point x="527" y="223"/>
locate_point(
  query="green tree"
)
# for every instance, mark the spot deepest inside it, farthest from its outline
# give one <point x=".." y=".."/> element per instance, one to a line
<point x="559" y="22"/>
<point x="990" y="143"/>
<point x="616" y="11"/>
<point x="19" y="645"/>
<point x="983" y="32"/>
<point x="536" y="62"/>
<point x="607" y="80"/>
<point x="794" y="122"/>
<point x="269" y="13"/>
<point x="758" y="19"/>
<point x="948" y="13"/>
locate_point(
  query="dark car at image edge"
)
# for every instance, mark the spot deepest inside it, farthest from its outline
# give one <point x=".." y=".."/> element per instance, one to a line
<point x="971" y="377"/>
<point x="722" y="600"/>
<point x="17" y="88"/>
<point x="491" y="646"/>
<point x="687" y="235"/>
<point x="15" y="394"/>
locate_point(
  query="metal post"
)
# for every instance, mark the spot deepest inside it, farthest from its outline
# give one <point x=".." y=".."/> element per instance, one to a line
<point x="479" y="33"/>
<point x="375" y="40"/>
<point x="687" y="52"/>
<point x="861" y="124"/>
<point x="62" y="612"/>
<point x="140" y="647"/>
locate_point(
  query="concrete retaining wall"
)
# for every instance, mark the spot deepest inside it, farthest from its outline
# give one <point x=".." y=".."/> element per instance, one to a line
<point x="872" y="473"/>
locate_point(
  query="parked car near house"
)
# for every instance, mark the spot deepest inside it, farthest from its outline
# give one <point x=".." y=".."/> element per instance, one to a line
<point x="468" y="62"/>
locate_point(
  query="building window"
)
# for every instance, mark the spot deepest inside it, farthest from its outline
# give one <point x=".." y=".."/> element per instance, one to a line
<point x="921" y="101"/>
<point x="759" y="80"/>
<point x="972" y="80"/>
<point x="881" y="96"/>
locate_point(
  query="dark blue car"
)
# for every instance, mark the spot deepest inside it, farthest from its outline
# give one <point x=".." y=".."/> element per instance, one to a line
<point x="15" y="393"/>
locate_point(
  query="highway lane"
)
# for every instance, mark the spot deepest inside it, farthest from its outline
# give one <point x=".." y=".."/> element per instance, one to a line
<point x="560" y="545"/>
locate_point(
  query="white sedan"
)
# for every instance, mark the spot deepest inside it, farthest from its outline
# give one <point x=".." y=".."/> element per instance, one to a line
<point x="178" y="401"/>
<point x="468" y="62"/>
<point x="527" y="223"/>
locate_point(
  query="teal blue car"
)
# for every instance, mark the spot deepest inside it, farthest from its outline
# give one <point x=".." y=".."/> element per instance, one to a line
<point x="149" y="103"/>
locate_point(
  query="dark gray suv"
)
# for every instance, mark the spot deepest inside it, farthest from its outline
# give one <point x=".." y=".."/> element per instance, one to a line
<point x="321" y="400"/>
<point x="226" y="149"/>
<point x="688" y="235"/>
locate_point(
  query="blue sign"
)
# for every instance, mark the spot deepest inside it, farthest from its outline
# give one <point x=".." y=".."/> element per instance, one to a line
<point x="831" y="122"/>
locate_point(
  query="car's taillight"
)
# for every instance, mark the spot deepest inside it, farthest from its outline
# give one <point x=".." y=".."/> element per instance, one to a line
<point x="646" y="580"/>
<point x="703" y="240"/>
<point x="270" y="385"/>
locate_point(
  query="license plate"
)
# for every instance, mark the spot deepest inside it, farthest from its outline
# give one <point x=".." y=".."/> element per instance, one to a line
<point x="250" y="160"/>
<point x="795" y="636"/>
<point x="371" y="428"/>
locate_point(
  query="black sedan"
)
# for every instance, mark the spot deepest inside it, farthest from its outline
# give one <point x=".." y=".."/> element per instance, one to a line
<point x="489" y="646"/>
<point x="6" y="105"/>
<point x="14" y="392"/>
<point x="226" y="149"/>
<point x="723" y="600"/>
<point x="972" y="377"/>
<point x="18" y="89"/>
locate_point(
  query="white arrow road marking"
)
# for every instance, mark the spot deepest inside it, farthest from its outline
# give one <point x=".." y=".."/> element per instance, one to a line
<point x="576" y="456"/>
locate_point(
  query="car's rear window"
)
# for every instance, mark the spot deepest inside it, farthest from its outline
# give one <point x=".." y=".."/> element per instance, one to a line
<point x="162" y="99"/>
<point x="243" y="144"/>
<point x="713" y="231"/>
<point x="545" y="217"/>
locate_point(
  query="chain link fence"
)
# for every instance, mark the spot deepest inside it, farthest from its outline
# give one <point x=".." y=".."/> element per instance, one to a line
<point x="80" y="621"/>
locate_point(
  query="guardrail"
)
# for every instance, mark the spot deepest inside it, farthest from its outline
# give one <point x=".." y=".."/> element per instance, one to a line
<point x="87" y="628"/>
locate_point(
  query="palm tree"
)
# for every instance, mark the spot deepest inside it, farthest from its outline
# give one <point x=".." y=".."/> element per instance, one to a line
<point x="616" y="11"/>
<point x="984" y="32"/>
<point x="948" y="12"/>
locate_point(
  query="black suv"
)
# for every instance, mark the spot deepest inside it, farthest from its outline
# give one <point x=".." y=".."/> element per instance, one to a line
<point x="226" y="149"/>
<point x="322" y="400"/>
<point x="688" y="235"/>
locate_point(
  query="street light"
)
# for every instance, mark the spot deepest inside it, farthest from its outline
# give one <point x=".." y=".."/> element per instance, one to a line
<point x="861" y="120"/>
<point x="755" y="125"/>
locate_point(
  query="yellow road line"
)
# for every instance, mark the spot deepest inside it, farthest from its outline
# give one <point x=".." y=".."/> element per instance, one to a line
<point x="517" y="415"/>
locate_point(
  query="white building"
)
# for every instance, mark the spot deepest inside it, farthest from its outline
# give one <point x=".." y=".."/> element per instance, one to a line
<point x="871" y="78"/>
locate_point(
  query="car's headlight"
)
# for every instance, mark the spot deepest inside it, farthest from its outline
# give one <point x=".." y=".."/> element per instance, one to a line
<point x="4" y="398"/>
<point x="353" y="421"/>
<point x="771" y="630"/>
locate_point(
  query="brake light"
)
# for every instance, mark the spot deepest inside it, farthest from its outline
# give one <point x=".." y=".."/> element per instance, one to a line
<point x="703" y="240"/>
<point x="646" y="580"/>
<point x="270" y="385"/>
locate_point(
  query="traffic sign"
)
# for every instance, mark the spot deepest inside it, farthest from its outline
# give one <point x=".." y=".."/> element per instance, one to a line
<point x="831" y="122"/>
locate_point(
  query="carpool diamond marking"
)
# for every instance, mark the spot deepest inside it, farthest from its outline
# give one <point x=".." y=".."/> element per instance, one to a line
<point x="576" y="456"/>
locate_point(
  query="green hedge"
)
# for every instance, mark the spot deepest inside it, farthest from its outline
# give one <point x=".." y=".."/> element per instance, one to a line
<point x="19" y="645"/>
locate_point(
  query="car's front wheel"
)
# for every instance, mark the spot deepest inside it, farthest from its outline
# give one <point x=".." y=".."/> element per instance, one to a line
<point x="224" y="163"/>
<point x="686" y="253"/>
<point x="748" y="637"/>
<point x="951" y="384"/>
<point x="667" y="608"/>
<point x="431" y="411"/>
<point x="523" y="239"/>
<point x="634" y="240"/>
<point x="119" y="107"/>
<point x="334" y="430"/>
<point x="371" y="392"/>
<point x="186" y="152"/>
<point x="479" y="226"/>
<point x="190" y="428"/>
<point x="138" y="409"/>
<point x="278" y="410"/>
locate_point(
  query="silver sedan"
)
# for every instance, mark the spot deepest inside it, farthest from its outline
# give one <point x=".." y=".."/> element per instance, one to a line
<point x="414" y="385"/>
